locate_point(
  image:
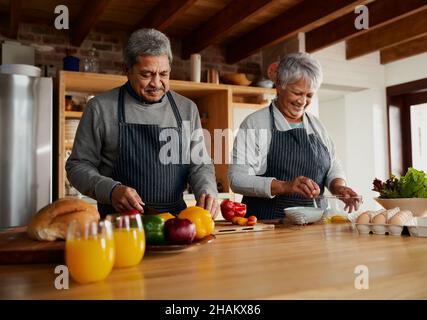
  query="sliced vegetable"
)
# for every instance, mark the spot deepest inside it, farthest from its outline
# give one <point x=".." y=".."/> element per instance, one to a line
<point x="230" y="209"/>
<point x="241" y="221"/>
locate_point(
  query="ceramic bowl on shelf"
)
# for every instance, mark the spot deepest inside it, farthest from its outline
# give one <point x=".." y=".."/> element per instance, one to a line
<point x="236" y="79"/>
<point x="264" y="83"/>
<point x="418" y="206"/>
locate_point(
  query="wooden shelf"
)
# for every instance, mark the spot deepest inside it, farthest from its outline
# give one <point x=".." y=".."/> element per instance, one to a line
<point x="255" y="106"/>
<point x="73" y="114"/>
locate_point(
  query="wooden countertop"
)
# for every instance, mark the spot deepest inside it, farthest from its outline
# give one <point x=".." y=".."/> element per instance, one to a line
<point x="311" y="262"/>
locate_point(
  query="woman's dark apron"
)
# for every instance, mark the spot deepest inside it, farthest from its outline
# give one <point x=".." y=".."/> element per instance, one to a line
<point x="160" y="186"/>
<point x="292" y="153"/>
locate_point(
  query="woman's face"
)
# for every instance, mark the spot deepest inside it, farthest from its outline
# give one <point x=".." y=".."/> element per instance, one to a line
<point x="294" y="99"/>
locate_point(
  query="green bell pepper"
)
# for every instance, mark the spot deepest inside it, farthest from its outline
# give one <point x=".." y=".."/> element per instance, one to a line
<point x="154" y="229"/>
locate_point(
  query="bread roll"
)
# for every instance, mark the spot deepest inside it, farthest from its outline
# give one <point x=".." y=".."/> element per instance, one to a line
<point x="51" y="222"/>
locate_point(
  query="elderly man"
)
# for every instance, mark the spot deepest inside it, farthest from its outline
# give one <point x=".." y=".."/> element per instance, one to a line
<point x="291" y="158"/>
<point x="116" y="158"/>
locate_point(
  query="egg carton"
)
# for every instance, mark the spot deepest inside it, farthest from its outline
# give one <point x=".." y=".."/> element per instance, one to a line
<point x="417" y="227"/>
<point x="391" y="229"/>
<point x="417" y="231"/>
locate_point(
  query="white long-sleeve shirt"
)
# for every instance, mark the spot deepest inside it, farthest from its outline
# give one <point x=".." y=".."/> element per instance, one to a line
<point x="251" y="146"/>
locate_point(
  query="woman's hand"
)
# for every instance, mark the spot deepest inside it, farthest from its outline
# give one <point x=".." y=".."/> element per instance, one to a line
<point x="349" y="196"/>
<point x="126" y="198"/>
<point x="304" y="186"/>
<point x="300" y="185"/>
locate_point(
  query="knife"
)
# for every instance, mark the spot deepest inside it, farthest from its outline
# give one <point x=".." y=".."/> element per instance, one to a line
<point x="148" y="210"/>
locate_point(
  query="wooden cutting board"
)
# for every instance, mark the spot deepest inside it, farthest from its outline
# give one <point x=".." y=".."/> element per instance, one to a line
<point x="225" y="227"/>
<point x="17" y="248"/>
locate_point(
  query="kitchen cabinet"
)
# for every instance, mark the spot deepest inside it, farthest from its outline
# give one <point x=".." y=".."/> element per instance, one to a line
<point x="215" y="102"/>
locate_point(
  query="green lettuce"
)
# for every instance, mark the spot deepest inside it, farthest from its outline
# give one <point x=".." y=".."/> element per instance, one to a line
<point x="412" y="185"/>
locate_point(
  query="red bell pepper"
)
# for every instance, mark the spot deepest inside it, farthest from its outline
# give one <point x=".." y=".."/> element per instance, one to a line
<point x="130" y="213"/>
<point x="230" y="209"/>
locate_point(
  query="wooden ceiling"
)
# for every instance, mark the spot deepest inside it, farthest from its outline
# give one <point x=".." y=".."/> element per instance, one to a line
<point x="397" y="28"/>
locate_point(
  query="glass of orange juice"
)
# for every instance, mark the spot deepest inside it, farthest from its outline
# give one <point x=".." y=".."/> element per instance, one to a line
<point x="89" y="251"/>
<point x="129" y="239"/>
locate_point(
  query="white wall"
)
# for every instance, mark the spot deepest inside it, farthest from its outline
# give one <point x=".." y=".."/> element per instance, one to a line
<point x="366" y="143"/>
<point x="357" y="124"/>
<point x="364" y="72"/>
<point x="357" y="121"/>
<point x="406" y="70"/>
<point x="332" y="114"/>
<point x="419" y="136"/>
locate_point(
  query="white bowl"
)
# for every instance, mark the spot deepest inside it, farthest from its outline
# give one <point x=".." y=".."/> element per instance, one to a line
<point x="303" y="215"/>
<point x="418" y="206"/>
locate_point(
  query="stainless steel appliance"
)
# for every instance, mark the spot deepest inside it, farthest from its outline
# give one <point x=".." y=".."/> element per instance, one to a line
<point x="25" y="144"/>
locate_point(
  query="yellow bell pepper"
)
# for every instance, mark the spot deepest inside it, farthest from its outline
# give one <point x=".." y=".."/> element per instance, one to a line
<point x="338" y="219"/>
<point x="165" y="216"/>
<point x="201" y="218"/>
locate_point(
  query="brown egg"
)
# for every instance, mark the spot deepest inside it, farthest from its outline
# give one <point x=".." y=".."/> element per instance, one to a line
<point x="390" y="213"/>
<point x="397" y="219"/>
<point x="379" y="219"/>
<point x="406" y="214"/>
<point x="401" y="217"/>
<point x="364" y="218"/>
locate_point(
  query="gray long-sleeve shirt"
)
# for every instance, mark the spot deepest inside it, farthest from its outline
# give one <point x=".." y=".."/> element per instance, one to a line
<point x="251" y="145"/>
<point x="90" y="165"/>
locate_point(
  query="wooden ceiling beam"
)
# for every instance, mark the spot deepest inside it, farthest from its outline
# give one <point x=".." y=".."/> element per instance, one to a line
<point x="89" y="15"/>
<point x="300" y="18"/>
<point x="404" y="50"/>
<point x="14" y="18"/>
<point x="221" y="23"/>
<point x="381" y="12"/>
<point x="403" y="30"/>
<point x="164" y="14"/>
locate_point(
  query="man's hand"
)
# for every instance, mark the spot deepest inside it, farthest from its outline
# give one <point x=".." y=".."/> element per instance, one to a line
<point x="209" y="203"/>
<point x="125" y="198"/>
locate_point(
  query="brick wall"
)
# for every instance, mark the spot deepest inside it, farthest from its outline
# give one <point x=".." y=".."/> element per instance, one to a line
<point x="109" y="46"/>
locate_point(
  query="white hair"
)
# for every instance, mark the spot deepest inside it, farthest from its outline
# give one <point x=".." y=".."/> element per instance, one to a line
<point x="146" y="42"/>
<point x="296" y="66"/>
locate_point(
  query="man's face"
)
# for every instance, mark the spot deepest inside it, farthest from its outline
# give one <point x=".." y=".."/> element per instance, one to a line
<point x="149" y="77"/>
<point x="294" y="99"/>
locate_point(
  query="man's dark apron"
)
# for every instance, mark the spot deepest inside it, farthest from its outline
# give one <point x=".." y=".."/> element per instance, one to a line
<point x="292" y="153"/>
<point x="160" y="186"/>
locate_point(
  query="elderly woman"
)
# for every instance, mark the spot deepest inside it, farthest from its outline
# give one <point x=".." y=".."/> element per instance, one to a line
<point x="288" y="158"/>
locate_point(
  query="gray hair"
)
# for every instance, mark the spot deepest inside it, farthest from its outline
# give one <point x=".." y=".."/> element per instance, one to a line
<point x="149" y="42"/>
<point x="295" y="66"/>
